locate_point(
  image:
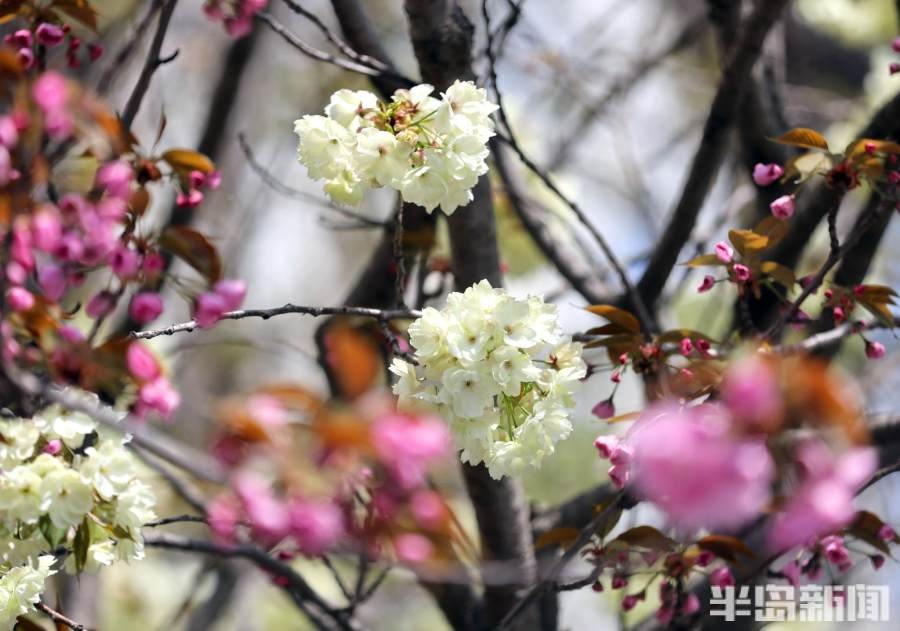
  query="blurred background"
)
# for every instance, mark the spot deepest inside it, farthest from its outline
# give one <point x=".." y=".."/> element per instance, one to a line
<point x="610" y="95"/>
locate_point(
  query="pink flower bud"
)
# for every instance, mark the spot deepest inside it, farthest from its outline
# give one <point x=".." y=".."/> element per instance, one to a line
<point x="428" y="508"/>
<point x="413" y="548"/>
<point x="616" y="376"/>
<point x="742" y="273"/>
<point x="196" y="178"/>
<point x="232" y="291"/>
<point x="20" y="39"/>
<point x="705" y="558"/>
<point x="721" y="577"/>
<point x="145" y="307"/>
<point x="124" y="261"/>
<point x="100" y="305"/>
<point x="26" y="58"/>
<point x="619" y="475"/>
<point x="95" y="51"/>
<point x="783" y="207"/>
<point x="50" y="91"/>
<point x="606" y="445"/>
<point x="886" y="533"/>
<point x="208" y="309"/>
<point x="686" y="346"/>
<point x="724" y="252"/>
<point x="71" y="334"/>
<point x="877" y="561"/>
<point x="141" y="362"/>
<point x="153" y="265"/>
<point x="619" y="581"/>
<point x="894" y="68"/>
<point x="157" y="396"/>
<point x="9" y="134"/>
<point x="52" y="280"/>
<point x="49" y="34"/>
<point x="838" y="314"/>
<point x="15" y="273"/>
<point x="874" y="350"/>
<point x="19" y="299"/>
<point x="46" y="228"/>
<point x="765" y="174"/>
<point x="597" y="587"/>
<point x="116" y="177"/>
<point x="214" y="180"/>
<point x="604" y="409"/>
<point x="707" y="284"/>
<point x="53" y="447"/>
<point x="691" y="605"/>
<point x="629" y="602"/>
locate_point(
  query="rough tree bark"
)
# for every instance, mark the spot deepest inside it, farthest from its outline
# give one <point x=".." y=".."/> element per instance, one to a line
<point x="442" y="39"/>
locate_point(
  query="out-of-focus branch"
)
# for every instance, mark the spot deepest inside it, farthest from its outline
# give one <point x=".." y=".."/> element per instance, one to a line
<point x="620" y="86"/>
<point x="59" y="619"/>
<point x="127" y="50"/>
<point x="265" y="314"/>
<point x="722" y="116"/>
<point x="152" y="62"/>
<point x="323" y="615"/>
<point x="564" y="259"/>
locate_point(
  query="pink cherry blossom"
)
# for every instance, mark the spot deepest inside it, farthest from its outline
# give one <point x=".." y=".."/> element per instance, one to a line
<point x="124" y="262"/>
<point x="269" y="516"/>
<point x="15" y="273"/>
<point x="100" y="305"/>
<point x="823" y="501"/>
<point x="9" y="133"/>
<point x="157" y="396"/>
<point x="686" y="346"/>
<point x="724" y="252"/>
<point x="26" y="58"/>
<point x="141" y="362"/>
<point x="751" y="392"/>
<point x="116" y="178"/>
<point x="875" y="350"/>
<point x="53" y="447"/>
<point x="783" y="207"/>
<point x="18" y="39"/>
<point x="46" y="228"/>
<point x="721" y="577"/>
<point x="687" y="462"/>
<point x="232" y="291"/>
<point x="19" y="299"/>
<point x="886" y="533"/>
<point x="606" y="445"/>
<point x="52" y="280"/>
<point x="49" y="34"/>
<point x="316" y="525"/>
<point x="428" y="508"/>
<point x="50" y="91"/>
<point x="413" y="548"/>
<point x="836" y="552"/>
<point x="145" y="307"/>
<point x="408" y="445"/>
<point x="742" y="272"/>
<point x="209" y="308"/>
<point x="765" y="174"/>
<point x="222" y="515"/>
<point x="707" y="284"/>
<point x="604" y="409"/>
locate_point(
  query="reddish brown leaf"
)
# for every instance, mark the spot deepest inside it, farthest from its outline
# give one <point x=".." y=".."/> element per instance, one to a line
<point x="803" y="137"/>
<point x="194" y="249"/>
<point x="617" y="316"/>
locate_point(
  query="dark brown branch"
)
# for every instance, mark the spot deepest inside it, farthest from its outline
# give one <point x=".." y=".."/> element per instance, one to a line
<point x="707" y="160"/>
<point x="151" y="64"/>
<point x="265" y="314"/>
<point x="128" y="48"/>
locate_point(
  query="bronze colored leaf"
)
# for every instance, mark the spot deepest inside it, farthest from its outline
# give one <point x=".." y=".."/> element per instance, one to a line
<point x="803" y="137"/>
<point x="81" y="10"/>
<point x="773" y="228"/>
<point x="354" y="358"/>
<point x="865" y="526"/>
<point x="676" y="335"/>
<point x="881" y="146"/>
<point x="617" y="316"/>
<point x="646" y="537"/>
<point x="748" y="242"/>
<point x="780" y="273"/>
<point x="725" y="547"/>
<point x="186" y="160"/>
<point x="703" y="259"/>
<point x="194" y="249"/>
<point x="561" y="537"/>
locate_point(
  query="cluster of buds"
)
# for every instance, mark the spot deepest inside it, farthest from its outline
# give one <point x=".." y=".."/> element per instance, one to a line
<point x="196" y="181"/>
<point x="50" y="36"/>
<point x="235" y="15"/>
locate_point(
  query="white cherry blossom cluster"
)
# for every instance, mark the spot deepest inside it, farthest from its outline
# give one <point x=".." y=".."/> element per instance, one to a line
<point x="21" y="588"/>
<point x="66" y="483"/>
<point x="432" y="150"/>
<point x="500" y="370"/>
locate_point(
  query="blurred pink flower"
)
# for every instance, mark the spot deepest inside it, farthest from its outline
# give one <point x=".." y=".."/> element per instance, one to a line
<point x="157" y="396"/>
<point x="100" y="305"/>
<point x="706" y="284"/>
<point x="124" y="262"/>
<point x="823" y="502"/>
<point x="208" y="309"/>
<point x="19" y="299"/>
<point x="687" y="462"/>
<point x="604" y="409"/>
<point x="765" y="174"/>
<point x="783" y="207"/>
<point x="721" y="577"/>
<point x="52" y="280"/>
<point x="222" y="515"/>
<point x="751" y="392"/>
<point x="232" y="291"/>
<point x="46" y="228"/>
<point x="413" y="548"/>
<point x="141" y="362"/>
<point x="116" y="177"/>
<point x="742" y="272"/>
<point x="875" y="350"/>
<point x="316" y="525"/>
<point x="408" y="445"/>
<point x="49" y="34"/>
<point x="145" y="307"/>
<point x="269" y="516"/>
<point x="428" y="508"/>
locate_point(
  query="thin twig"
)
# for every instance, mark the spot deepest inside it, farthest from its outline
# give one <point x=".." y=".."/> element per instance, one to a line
<point x="152" y="62"/>
<point x="265" y="314"/>
<point x="176" y="519"/>
<point x="58" y="618"/>
<point x="181" y="487"/>
<point x="128" y="49"/>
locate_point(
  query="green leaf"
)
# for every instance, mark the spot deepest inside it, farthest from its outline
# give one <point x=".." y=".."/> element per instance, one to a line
<point x="52" y="534"/>
<point x="81" y="544"/>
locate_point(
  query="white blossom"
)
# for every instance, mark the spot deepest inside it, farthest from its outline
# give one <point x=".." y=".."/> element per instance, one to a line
<point x="21" y="588"/>
<point x="500" y="370"/>
<point x="432" y="150"/>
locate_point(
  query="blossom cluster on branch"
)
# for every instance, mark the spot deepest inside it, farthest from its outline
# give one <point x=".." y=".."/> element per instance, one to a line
<point x="500" y="370"/>
<point x="432" y="150"/>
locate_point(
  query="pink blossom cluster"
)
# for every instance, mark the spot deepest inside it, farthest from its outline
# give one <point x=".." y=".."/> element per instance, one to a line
<point x="196" y="182"/>
<point x="832" y="549"/>
<point x="402" y="514"/>
<point x="155" y="393"/>
<point x="50" y="36"/>
<point x="236" y="15"/>
<point x="709" y="465"/>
